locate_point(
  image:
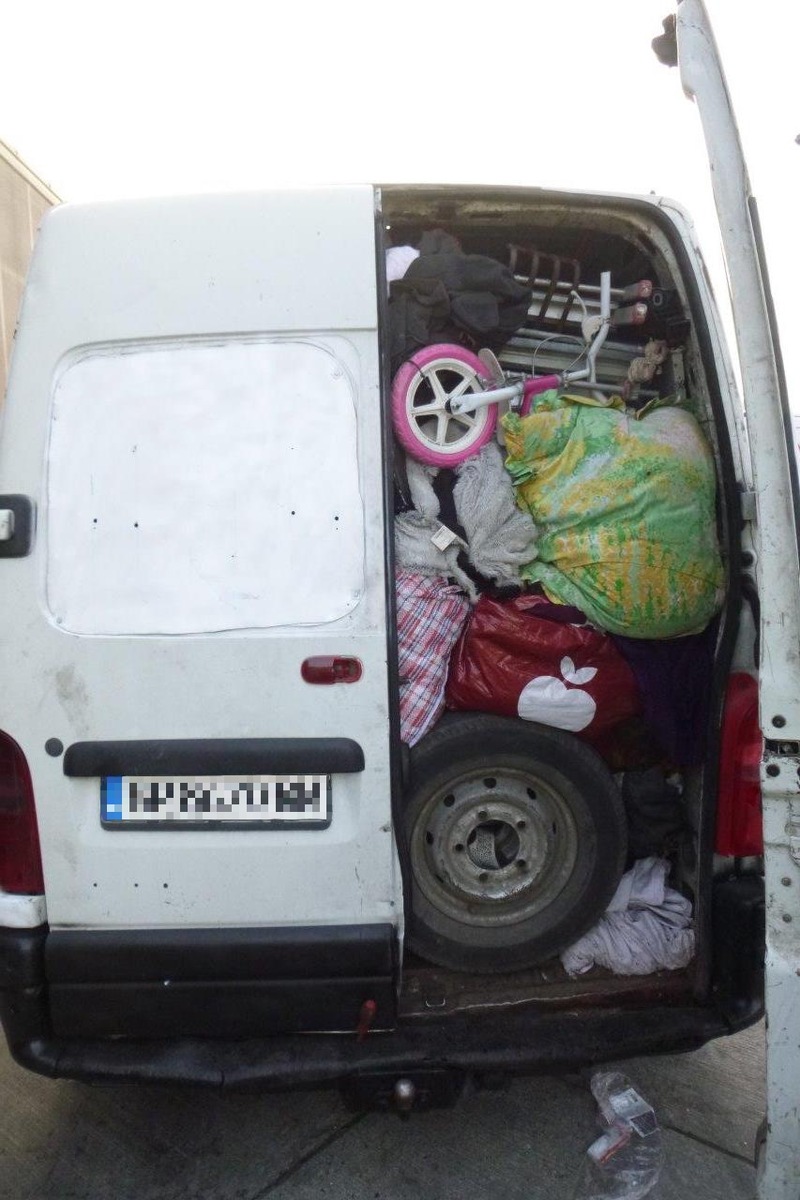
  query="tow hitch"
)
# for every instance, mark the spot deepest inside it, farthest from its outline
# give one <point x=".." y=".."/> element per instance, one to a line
<point x="415" y="1091"/>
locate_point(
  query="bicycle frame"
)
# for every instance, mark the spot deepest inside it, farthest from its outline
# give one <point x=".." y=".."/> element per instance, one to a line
<point x="519" y="394"/>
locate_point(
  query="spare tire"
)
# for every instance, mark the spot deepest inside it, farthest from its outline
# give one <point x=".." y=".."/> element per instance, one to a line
<point x="517" y="840"/>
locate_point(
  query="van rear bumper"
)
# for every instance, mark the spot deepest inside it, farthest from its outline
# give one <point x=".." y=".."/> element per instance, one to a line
<point x="526" y="1042"/>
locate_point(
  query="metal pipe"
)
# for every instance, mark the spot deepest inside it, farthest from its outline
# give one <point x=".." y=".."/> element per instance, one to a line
<point x="605" y="314"/>
<point x="472" y="400"/>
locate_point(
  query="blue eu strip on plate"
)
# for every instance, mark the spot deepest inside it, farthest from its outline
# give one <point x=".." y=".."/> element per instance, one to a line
<point x="111" y="798"/>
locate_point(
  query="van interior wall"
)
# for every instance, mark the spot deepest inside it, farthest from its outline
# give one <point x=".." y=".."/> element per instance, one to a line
<point x="564" y="240"/>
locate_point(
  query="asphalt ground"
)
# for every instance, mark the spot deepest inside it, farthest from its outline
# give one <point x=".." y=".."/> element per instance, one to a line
<point x="67" y="1141"/>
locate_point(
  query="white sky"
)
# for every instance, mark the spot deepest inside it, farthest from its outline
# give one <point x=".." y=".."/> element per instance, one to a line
<point x="104" y="100"/>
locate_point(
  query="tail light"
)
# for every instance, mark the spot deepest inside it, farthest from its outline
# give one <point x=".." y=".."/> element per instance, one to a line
<point x="20" y="857"/>
<point x="325" y="668"/>
<point x="739" y="829"/>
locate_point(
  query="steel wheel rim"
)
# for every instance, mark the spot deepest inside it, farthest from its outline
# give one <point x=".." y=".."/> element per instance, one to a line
<point x="493" y="848"/>
<point x="433" y="426"/>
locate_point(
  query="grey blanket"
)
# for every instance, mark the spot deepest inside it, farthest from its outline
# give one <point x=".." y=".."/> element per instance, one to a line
<point x="499" y="538"/>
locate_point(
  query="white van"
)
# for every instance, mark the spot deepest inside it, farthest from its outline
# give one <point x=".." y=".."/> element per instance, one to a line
<point x="220" y="863"/>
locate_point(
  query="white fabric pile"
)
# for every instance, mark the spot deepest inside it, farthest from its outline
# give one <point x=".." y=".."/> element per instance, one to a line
<point x="398" y="260"/>
<point x="500" y="538"/>
<point x="414" y="547"/>
<point x="647" y="927"/>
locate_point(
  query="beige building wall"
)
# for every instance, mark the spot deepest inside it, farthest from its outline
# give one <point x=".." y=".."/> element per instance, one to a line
<point x="24" y="199"/>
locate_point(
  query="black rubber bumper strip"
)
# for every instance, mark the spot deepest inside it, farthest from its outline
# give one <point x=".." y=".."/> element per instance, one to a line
<point x="293" y="952"/>
<point x="215" y="756"/>
<point x="532" y="1043"/>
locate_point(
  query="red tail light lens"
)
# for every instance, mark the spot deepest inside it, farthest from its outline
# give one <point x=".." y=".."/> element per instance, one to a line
<point x="20" y="857"/>
<point x="739" y="829"/>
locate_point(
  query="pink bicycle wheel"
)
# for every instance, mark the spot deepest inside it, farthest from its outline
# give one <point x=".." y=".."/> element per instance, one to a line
<point x="420" y="394"/>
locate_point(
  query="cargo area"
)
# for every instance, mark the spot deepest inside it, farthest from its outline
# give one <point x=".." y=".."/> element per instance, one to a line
<point x="664" y="750"/>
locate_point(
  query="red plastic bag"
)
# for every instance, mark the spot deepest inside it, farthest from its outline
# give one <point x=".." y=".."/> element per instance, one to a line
<point x="529" y="658"/>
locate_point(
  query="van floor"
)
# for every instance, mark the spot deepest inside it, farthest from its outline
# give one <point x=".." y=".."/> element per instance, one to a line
<point x="429" y="992"/>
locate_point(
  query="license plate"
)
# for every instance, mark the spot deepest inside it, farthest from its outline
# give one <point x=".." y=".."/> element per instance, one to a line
<point x="274" y="801"/>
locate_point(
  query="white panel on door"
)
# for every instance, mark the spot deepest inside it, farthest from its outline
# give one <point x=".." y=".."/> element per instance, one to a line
<point x="202" y="487"/>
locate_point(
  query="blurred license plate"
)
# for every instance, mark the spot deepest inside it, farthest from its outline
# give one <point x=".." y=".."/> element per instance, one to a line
<point x="254" y="800"/>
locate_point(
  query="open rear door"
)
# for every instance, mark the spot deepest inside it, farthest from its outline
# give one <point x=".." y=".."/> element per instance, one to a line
<point x="774" y="540"/>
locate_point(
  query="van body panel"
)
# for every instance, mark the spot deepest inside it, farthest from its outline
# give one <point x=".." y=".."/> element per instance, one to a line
<point x="773" y="459"/>
<point x="774" y="546"/>
<point x="22" y="912"/>
<point x="164" y="283"/>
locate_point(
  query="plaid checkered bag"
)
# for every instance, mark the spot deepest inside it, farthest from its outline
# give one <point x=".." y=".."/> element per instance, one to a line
<point x="430" y="616"/>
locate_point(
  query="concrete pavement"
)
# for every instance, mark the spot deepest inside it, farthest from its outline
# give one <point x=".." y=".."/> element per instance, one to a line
<point x="66" y="1141"/>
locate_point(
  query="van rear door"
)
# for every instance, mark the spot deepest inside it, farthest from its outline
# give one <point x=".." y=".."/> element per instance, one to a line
<point x="194" y="649"/>
<point x="774" y="542"/>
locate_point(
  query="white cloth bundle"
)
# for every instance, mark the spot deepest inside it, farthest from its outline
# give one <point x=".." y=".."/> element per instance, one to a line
<point x="647" y="927"/>
<point x="500" y="538"/>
